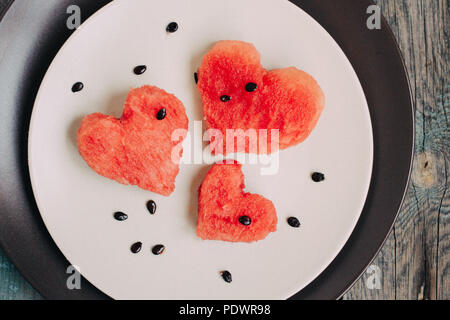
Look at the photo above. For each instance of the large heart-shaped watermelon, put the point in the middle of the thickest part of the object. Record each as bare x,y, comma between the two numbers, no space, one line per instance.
137,149
227,213
238,93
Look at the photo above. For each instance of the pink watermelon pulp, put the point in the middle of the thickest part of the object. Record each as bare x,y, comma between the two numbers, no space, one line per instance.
222,203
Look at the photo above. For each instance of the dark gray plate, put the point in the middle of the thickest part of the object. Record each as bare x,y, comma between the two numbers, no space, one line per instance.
31,33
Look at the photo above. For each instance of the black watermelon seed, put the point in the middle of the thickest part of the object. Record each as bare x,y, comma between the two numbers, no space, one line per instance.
140,69
77,87
120,216
318,177
225,98
158,249
226,275
136,247
161,114
196,77
293,222
151,206
245,220
251,86
172,27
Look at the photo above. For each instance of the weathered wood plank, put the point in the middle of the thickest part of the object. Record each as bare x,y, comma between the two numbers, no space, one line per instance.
384,264
421,259
12,285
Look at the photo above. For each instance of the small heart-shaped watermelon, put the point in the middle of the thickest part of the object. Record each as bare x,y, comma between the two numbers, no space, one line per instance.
238,93
137,148
227,213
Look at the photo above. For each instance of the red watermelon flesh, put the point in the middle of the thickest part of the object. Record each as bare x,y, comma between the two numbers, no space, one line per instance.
137,148
222,201
288,100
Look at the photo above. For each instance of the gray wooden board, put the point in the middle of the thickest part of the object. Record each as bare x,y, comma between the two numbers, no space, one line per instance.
414,263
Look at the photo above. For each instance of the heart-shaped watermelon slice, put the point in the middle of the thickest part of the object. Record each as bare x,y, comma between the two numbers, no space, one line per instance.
239,94
138,148
227,213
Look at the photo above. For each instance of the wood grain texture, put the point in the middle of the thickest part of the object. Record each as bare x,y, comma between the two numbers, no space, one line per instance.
414,262
12,285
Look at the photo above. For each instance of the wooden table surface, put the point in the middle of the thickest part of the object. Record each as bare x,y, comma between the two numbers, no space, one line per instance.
414,262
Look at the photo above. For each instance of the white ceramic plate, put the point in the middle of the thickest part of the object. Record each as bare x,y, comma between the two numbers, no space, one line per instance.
77,204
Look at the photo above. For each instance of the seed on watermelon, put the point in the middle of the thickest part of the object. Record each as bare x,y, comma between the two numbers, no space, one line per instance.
251,86
140,69
226,276
136,247
120,216
77,87
151,206
293,222
245,220
318,177
158,249
161,114
225,98
196,77
172,27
